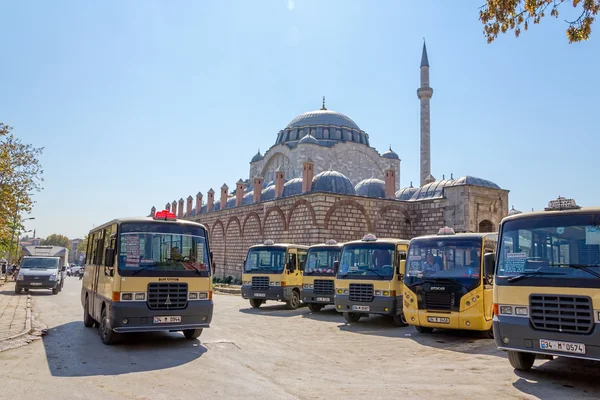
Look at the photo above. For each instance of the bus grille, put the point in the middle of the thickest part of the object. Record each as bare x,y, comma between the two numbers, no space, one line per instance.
361,292
438,300
167,296
569,314
260,283
324,286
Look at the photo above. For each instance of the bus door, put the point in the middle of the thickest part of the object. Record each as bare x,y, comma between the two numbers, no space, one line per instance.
489,246
292,259
401,252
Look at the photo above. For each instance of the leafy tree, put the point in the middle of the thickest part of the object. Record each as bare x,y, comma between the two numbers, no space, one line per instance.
498,16
20,174
57,240
82,246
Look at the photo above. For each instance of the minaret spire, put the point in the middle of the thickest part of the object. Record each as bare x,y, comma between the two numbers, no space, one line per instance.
424,94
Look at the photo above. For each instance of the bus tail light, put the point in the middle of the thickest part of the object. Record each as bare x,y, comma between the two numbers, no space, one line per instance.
116,296
210,294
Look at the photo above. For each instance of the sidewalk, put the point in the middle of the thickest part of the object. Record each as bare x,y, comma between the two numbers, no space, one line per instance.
15,312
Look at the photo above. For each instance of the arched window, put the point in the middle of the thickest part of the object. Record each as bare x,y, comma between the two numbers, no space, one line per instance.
486,226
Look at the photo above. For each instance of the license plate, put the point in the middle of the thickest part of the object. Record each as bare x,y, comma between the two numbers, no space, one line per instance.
360,308
166,320
260,294
438,320
36,283
323,299
566,347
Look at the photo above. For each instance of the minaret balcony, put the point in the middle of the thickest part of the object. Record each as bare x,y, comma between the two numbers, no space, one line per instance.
424,92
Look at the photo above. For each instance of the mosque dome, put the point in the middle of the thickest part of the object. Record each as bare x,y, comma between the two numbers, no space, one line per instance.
292,187
406,193
370,188
268,193
257,157
391,154
513,211
322,117
332,181
308,139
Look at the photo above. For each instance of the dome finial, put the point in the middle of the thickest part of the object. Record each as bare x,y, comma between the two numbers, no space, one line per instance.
323,107
411,184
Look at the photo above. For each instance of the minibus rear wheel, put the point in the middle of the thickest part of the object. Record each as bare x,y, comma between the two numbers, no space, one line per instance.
352,316
315,307
521,361
192,333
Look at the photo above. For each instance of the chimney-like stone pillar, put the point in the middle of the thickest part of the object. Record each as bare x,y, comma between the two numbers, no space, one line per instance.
279,181
211,200
174,207
307,176
153,211
390,183
168,207
257,189
198,203
224,190
239,192
188,209
180,208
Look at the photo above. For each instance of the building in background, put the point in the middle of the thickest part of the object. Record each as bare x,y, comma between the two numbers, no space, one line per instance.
75,256
321,180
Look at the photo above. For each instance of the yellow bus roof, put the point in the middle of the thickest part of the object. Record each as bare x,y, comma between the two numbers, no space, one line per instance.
537,214
148,219
380,240
462,235
286,245
325,245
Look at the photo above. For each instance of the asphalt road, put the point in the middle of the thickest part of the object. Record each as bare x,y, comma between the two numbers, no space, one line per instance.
272,353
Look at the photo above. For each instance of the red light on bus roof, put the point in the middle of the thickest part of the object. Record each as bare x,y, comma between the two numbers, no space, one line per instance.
166,215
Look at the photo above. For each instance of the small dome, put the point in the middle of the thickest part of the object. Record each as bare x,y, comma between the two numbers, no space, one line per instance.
471,180
216,206
308,139
391,154
267,184
513,211
248,198
193,212
292,187
230,202
370,188
257,157
433,190
268,193
332,181
406,193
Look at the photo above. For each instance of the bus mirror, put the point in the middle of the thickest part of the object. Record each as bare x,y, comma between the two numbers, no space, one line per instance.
336,266
401,268
489,261
109,256
402,255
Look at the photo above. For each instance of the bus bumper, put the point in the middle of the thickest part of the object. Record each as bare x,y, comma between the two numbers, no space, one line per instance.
381,305
516,334
470,319
308,296
280,293
135,316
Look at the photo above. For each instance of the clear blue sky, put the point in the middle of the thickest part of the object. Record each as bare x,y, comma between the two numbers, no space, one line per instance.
138,103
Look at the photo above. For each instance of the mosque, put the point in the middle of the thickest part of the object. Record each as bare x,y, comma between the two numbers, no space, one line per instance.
322,180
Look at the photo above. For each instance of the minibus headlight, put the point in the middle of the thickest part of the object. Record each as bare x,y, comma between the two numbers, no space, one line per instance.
202,296
193,296
506,310
308,286
140,296
126,296
521,311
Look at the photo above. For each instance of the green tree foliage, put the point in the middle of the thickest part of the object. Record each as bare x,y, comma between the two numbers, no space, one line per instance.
499,16
57,240
20,175
82,246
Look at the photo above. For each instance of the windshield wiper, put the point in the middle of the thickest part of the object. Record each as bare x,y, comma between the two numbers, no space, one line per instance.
377,273
140,269
532,273
582,267
447,279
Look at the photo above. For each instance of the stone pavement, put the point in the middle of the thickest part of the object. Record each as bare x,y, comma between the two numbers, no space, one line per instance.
15,312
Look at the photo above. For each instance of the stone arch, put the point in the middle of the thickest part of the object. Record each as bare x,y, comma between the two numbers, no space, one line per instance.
234,252
277,160
486,226
393,221
255,215
343,203
252,232
217,243
274,224
347,220
302,223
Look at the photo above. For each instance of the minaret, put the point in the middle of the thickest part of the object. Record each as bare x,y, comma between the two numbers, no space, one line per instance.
424,93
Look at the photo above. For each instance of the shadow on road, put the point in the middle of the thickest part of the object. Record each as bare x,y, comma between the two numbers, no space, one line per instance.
73,350
567,377
274,309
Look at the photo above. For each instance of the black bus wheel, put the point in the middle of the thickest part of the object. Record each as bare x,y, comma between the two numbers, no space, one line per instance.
294,301
521,361
315,307
424,329
192,333
352,316
255,303
400,320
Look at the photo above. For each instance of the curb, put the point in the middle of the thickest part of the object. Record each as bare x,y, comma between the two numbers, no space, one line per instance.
28,328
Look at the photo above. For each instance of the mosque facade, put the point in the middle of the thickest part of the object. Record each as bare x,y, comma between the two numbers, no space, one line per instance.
322,180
